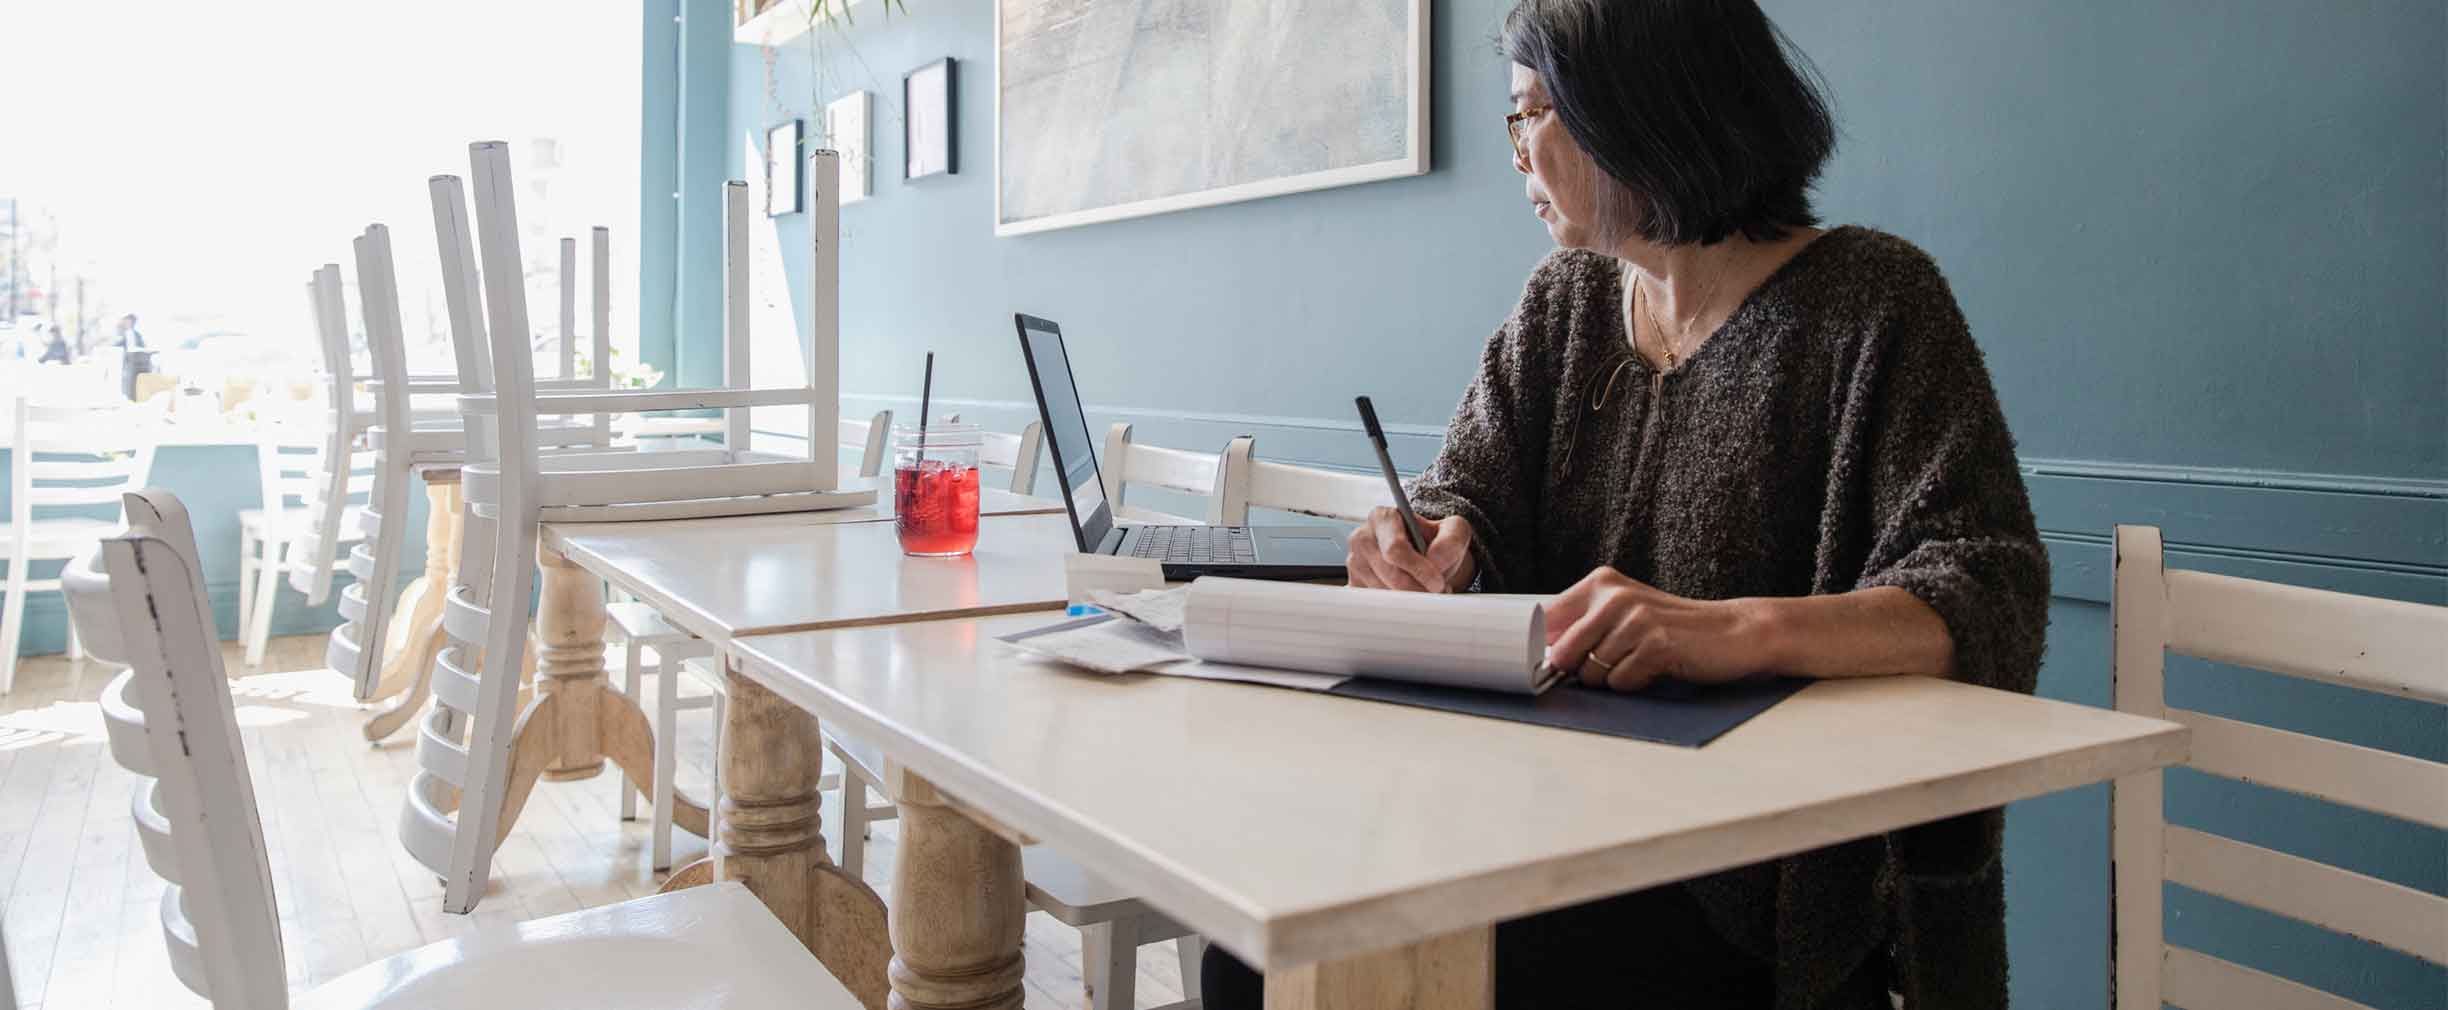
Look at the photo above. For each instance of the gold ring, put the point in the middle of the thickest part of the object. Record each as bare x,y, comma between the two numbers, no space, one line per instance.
1603,665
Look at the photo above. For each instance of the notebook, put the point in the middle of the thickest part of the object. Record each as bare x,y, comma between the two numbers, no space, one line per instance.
1470,654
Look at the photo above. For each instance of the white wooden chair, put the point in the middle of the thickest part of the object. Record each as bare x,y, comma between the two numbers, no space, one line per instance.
2383,646
1309,491
289,532
1017,452
636,626
407,445
202,832
64,463
466,741
1220,478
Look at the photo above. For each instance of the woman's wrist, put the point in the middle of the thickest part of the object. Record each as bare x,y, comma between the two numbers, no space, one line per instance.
1768,622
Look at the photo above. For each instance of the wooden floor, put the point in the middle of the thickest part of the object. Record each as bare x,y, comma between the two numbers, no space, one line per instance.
81,905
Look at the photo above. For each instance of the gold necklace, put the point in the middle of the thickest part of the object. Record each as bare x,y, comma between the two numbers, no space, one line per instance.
1666,342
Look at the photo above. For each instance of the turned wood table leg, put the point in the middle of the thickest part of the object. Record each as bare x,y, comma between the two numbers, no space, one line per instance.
771,838
958,906
409,676
1451,972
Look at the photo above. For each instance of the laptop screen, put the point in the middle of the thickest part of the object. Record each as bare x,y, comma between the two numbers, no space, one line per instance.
1066,427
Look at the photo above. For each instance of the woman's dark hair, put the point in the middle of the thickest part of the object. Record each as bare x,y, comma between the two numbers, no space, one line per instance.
1697,106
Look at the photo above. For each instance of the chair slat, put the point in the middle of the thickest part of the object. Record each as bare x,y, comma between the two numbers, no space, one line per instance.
2376,780
2197,981
645,402
1310,491
46,497
2389,914
2389,646
1187,472
63,469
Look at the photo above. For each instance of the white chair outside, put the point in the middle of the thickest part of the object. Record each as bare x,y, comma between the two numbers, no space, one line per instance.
472,742
2388,647
202,833
65,463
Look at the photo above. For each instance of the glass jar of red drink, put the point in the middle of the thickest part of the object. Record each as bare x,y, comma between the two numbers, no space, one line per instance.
935,489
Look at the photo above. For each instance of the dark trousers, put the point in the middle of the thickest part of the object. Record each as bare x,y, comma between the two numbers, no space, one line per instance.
1648,949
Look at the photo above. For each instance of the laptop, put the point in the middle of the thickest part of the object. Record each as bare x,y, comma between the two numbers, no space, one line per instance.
1187,552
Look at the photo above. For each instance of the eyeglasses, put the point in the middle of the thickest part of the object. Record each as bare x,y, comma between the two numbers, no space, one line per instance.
1518,124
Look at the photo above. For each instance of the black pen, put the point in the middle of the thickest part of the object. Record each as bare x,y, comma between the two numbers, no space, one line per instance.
1385,461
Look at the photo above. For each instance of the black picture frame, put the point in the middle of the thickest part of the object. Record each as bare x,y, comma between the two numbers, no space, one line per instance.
927,153
783,171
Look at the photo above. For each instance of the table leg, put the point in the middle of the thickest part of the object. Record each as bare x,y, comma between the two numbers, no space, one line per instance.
1451,972
574,722
958,906
409,675
772,839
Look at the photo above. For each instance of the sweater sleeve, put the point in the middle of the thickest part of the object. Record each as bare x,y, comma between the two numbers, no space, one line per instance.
1952,523
1485,472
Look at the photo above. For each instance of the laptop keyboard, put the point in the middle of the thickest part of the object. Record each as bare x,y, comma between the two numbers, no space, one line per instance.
1205,545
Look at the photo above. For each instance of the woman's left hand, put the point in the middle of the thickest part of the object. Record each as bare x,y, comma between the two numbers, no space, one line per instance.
1622,634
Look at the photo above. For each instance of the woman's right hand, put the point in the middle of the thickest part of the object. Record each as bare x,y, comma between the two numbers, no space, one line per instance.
1381,556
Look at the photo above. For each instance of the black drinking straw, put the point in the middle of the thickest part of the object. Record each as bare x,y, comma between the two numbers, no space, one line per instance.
926,396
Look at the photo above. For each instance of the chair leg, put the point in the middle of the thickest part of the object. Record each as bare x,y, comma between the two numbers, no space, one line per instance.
1109,963
629,687
722,710
667,726
854,824
258,626
1191,950
12,622
246,578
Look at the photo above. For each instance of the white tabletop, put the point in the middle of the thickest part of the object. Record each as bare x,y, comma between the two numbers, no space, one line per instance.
1295,828
721,578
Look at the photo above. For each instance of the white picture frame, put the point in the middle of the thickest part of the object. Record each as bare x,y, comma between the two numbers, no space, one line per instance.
782,175
849,131
1413,161
930,124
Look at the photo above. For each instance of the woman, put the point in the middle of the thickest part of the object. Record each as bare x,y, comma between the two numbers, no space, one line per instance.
1733,443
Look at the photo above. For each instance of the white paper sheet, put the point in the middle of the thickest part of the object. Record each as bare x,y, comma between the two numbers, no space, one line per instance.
1457,640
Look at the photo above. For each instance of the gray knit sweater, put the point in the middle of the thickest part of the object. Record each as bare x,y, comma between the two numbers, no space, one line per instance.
1839,432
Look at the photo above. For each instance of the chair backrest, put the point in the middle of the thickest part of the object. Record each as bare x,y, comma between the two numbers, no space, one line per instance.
1220,478
340,459
2384,646
1309,491
198,821
71,459
871,437
1017,452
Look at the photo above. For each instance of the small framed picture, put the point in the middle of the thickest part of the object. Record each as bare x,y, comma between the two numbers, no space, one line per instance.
782,159
929,140
846,131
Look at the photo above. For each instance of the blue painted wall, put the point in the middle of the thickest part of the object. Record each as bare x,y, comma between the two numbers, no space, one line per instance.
2204,245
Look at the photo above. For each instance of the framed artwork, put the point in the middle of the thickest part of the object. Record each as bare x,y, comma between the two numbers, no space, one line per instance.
782,161
1102,115
929,142
846,132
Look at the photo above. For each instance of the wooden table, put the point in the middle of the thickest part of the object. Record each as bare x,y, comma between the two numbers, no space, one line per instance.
723,578
1358,852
